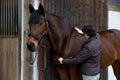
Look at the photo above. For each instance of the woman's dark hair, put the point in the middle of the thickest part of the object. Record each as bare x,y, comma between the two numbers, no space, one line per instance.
89,30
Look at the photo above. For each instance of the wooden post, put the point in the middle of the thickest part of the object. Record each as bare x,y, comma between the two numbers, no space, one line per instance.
42,2
25,63
41,56
27,71
41,61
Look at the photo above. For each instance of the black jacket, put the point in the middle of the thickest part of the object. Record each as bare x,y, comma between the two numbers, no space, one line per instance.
88,56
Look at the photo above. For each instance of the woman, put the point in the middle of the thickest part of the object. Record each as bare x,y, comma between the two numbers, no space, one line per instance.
88,56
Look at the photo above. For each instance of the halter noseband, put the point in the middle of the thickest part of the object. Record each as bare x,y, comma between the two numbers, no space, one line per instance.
43,34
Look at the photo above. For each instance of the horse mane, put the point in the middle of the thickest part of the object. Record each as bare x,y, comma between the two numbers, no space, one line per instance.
61,18
64,24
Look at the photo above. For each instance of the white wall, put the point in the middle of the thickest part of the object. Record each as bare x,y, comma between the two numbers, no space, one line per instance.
35,67
114,20
113,23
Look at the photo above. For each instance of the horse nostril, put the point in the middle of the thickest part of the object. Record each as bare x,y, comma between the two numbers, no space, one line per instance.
32,45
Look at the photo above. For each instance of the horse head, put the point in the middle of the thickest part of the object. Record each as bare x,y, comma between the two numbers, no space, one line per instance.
59,34
38,27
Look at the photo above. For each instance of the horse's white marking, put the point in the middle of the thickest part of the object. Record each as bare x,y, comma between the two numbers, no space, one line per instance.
78,30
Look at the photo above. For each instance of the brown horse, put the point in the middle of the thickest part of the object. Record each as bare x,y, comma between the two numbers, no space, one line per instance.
65,41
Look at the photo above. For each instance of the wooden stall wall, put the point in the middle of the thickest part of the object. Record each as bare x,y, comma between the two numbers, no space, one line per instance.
10,40
77,13
80,12
9,59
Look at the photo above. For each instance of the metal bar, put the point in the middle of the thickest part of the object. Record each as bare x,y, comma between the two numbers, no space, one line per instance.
12,17
11,10
0,17
16,24
9,19
4,18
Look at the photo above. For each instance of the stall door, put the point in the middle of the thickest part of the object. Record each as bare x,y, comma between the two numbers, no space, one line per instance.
9,40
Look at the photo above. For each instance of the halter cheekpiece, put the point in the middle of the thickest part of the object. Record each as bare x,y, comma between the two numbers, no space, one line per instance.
43,34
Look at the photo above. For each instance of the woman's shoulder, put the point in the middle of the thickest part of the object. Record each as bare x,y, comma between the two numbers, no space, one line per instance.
94,42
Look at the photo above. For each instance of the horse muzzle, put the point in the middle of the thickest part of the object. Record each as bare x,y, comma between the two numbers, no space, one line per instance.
31,47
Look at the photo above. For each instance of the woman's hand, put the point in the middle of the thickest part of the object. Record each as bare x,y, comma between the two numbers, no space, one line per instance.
60,59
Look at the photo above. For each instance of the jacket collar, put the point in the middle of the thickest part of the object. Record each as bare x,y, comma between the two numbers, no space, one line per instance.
91,38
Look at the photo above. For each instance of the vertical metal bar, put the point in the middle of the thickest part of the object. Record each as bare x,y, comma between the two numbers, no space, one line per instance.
15,20
0,16
4,18
4,15
16,25
11,17
15,17
12,3
8,18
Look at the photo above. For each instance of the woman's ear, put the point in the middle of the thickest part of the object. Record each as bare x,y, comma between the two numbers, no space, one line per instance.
31,9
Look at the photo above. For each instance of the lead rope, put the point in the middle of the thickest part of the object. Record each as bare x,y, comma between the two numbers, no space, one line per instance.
34,58
33,61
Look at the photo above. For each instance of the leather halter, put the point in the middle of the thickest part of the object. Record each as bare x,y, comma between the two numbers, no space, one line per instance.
39,38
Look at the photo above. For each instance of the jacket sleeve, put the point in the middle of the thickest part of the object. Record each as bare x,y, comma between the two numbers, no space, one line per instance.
82,55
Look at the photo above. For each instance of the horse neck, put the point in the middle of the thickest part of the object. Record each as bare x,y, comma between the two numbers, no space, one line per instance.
58,32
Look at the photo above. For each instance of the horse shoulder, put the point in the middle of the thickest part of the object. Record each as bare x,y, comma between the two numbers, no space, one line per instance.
73,44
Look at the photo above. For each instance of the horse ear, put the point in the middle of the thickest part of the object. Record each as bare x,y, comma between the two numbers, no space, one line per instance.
31,9
41,9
